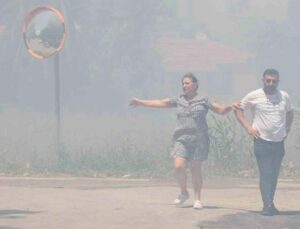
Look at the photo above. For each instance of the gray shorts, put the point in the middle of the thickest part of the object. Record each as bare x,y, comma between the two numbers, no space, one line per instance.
190,147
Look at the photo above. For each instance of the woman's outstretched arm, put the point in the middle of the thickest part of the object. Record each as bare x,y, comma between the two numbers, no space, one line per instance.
220,109
156,103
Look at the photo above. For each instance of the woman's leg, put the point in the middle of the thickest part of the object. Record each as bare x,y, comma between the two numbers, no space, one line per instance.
180,167
197,178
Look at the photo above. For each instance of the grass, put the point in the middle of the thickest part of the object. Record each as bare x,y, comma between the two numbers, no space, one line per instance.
134,145
230,149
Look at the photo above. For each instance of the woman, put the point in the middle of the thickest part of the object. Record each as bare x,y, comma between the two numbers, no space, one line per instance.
190,138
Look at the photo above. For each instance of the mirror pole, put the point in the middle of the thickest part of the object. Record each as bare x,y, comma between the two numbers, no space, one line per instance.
57,102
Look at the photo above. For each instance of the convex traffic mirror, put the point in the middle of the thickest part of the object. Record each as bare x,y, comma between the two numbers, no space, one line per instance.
44,32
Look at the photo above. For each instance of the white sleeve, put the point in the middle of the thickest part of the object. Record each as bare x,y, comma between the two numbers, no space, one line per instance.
247,102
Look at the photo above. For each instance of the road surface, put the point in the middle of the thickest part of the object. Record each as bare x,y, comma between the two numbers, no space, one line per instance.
83,203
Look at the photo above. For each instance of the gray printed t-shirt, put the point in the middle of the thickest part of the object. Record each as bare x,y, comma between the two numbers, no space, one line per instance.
190,138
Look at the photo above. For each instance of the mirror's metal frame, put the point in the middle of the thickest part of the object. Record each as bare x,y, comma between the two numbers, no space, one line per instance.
27,20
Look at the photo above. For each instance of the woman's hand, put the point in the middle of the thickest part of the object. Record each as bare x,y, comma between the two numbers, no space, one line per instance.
236,106
134,102
156,103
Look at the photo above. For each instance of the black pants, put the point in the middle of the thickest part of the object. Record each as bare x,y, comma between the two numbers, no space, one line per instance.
269,157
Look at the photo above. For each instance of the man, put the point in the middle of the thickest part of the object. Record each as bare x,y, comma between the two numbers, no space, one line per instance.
272,120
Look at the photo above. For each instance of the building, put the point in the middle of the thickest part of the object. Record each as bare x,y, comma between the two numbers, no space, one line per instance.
222,70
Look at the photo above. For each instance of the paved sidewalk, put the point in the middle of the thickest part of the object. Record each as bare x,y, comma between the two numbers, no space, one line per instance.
82,203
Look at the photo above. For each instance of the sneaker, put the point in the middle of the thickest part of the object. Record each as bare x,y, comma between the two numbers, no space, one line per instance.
181,199
197,205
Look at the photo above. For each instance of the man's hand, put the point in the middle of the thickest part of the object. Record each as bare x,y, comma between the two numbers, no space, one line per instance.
253,132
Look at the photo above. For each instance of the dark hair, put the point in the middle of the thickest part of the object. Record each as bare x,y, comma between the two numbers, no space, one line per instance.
191,77
272,72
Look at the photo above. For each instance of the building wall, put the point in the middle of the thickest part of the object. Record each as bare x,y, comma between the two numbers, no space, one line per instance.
227,84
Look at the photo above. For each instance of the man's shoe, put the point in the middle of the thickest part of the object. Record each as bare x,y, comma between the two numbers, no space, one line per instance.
267,211
275,210
181,199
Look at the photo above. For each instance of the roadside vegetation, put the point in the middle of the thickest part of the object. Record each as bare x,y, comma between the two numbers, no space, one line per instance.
131,145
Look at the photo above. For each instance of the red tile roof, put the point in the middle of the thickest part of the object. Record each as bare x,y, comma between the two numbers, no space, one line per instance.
181,55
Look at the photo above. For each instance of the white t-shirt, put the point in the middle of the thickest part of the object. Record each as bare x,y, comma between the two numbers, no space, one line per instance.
269,113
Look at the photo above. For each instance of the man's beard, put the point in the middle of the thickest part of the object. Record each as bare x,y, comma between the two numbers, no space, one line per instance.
270,89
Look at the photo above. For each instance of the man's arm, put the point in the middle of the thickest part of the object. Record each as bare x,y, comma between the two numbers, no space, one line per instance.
156,103
289,120
239,114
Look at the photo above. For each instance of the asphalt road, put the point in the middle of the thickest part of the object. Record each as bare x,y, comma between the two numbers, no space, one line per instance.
71,203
